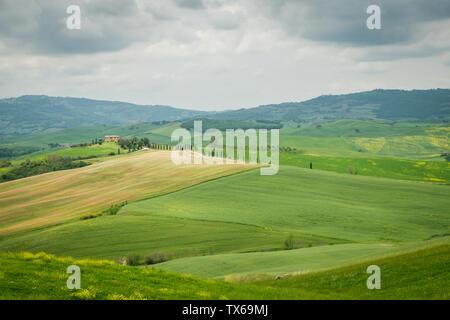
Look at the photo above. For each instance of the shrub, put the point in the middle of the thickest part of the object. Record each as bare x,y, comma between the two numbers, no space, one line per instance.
133,259
114,209
29,168
289,242
90,216
5,163
157,257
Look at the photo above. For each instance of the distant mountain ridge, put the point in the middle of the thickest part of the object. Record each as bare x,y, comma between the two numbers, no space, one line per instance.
414,105
32,114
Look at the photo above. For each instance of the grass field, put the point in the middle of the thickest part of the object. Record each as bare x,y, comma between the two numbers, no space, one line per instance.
94,151
432,171
322,203
299,260
232,223
368,138
365,128
114,237
155,132
420,274
235,215
88,151
41,276
58,196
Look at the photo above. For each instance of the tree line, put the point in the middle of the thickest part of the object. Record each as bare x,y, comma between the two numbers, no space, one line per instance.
31,168
134,144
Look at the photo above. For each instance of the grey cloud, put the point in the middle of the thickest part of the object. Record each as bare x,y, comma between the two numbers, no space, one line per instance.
40,26
113,7
112,25
226,20
344,21
192,4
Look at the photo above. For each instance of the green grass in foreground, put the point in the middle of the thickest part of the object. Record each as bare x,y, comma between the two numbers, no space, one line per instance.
42,276
421,274
433,171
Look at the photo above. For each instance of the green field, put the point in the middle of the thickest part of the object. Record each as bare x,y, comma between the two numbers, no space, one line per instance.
364,128
420,274
114,237
155,132
354,208
367,138
299,260
323,211
41,276
59,196
378,194
84,152
432,171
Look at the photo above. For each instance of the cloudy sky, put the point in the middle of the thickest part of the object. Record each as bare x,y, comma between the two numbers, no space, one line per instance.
221,54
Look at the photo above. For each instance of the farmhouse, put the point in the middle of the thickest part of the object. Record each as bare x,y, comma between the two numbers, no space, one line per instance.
112,138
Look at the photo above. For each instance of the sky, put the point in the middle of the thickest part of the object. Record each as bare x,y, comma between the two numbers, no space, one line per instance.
221,54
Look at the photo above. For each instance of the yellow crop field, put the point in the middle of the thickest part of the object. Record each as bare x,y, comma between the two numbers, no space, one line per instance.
59,196
372,145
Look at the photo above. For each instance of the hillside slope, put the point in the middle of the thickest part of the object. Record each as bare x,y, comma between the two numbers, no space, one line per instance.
420,274
43,276
57,196
33,114
381,104
417,274
350,207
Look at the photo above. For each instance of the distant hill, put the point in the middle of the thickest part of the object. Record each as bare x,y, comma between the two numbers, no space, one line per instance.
415,105
33,114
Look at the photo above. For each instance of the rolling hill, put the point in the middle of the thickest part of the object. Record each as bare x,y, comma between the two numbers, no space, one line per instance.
33,114
418,274
415,105
354,208
240,223
62,195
